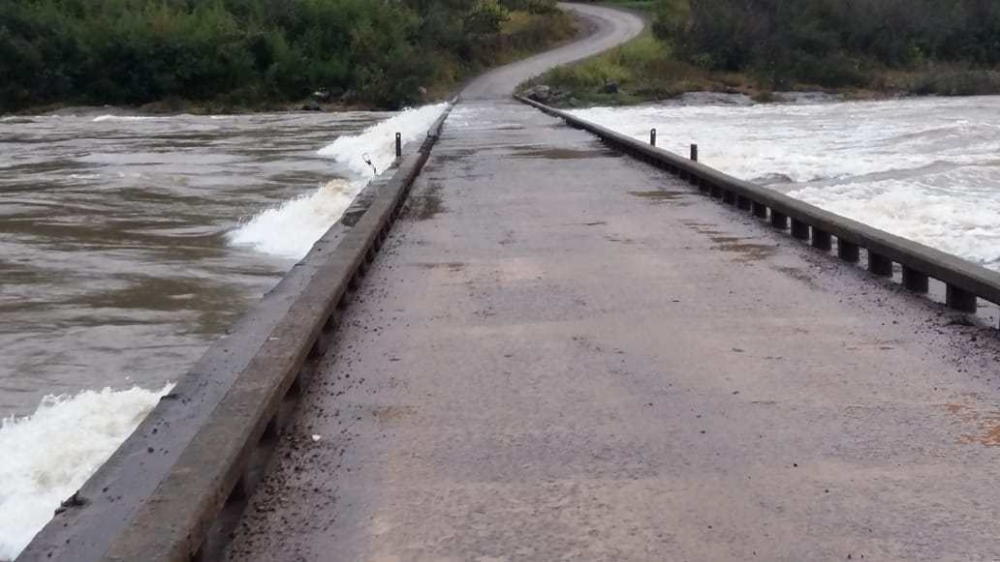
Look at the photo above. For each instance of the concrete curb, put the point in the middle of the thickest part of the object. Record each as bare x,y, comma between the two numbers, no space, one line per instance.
964,281
175,489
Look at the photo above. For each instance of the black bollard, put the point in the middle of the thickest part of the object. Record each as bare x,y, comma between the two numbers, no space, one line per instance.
694,152
399,145
652,137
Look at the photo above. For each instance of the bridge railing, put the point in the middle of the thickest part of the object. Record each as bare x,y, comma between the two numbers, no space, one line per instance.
175,489
964,281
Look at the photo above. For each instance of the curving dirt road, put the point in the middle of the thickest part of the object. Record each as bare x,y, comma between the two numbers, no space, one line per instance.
609,28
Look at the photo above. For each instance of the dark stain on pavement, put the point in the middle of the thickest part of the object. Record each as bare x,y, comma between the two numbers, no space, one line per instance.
658,195
426,205
610,238
746,252
798,274
702,228
550,153
453,155
451,266
987,426
392,413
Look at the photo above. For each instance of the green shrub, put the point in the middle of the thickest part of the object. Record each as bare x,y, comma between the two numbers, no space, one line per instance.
252,51
828,42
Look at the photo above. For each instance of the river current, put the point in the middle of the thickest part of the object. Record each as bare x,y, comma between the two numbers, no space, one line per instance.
926,169
127,245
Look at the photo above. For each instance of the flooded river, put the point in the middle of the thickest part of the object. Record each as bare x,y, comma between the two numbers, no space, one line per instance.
925,169
127,245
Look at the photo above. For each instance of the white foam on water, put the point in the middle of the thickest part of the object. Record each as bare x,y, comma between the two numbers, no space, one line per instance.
48,455
103,118
926,169
290,229
963,226
379,140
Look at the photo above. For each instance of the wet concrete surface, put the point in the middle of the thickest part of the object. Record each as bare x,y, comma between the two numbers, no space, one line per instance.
549,361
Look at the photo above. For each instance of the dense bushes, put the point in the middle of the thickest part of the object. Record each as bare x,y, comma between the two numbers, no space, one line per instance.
830,43
246,51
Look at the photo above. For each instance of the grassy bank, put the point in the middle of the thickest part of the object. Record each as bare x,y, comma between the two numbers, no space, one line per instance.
232,55
688,51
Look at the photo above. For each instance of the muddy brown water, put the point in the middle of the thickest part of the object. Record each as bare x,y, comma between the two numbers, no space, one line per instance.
114,265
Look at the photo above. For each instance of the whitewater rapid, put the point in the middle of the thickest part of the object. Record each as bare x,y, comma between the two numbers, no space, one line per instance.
925,169
48,455
290,229
183,172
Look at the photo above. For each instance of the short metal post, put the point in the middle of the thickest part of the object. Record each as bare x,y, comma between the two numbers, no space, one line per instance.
960,300
399,145
759,210
879,265
652,137
822,240
915,280
694,152
779,220
800,230
847,251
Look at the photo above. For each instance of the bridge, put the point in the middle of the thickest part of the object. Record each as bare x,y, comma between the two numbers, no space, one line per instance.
538,339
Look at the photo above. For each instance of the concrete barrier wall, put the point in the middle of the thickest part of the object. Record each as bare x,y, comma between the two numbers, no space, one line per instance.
175,489
964,281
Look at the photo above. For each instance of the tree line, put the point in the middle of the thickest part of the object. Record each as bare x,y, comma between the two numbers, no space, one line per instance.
831,43
133,52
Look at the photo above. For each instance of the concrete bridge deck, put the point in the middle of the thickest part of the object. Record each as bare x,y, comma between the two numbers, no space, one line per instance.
566,354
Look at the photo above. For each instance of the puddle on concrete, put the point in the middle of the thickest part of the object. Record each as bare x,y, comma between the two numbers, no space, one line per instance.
426,205
550,153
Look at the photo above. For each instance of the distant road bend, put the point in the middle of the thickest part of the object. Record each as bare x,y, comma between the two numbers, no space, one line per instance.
565,353
608,28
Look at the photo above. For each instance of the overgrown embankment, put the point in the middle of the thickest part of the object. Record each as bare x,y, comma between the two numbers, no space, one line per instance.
258,54
865,48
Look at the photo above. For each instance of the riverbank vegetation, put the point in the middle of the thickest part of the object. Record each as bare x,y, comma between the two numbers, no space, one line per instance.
862,48
236,54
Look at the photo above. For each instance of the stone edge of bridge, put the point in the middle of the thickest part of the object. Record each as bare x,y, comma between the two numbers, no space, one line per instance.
964,282
176,488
